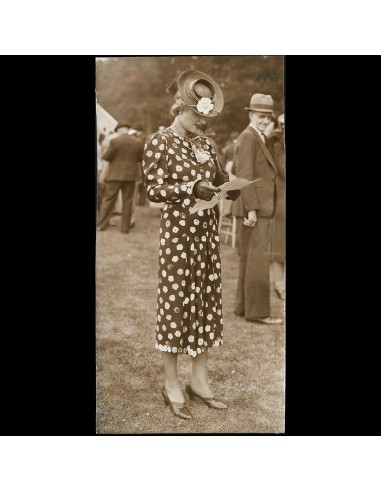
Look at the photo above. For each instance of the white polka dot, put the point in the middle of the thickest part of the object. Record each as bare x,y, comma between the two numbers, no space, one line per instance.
177,333
186,201
154,141
168,251
160,171
163,193
190,338
166,235
171,151
174,175
170,336
149,153
161,147
172,297
179,246
170,278
183,255
165,288
175,286
175,229
173,325
210,317
167,305
175,259
180,271
176,213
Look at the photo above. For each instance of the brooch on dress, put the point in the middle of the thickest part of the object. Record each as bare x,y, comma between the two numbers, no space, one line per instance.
198,147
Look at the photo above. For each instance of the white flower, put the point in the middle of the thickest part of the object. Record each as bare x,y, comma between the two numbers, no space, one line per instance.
204,105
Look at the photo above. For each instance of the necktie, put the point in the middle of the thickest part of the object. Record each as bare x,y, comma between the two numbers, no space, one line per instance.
263,138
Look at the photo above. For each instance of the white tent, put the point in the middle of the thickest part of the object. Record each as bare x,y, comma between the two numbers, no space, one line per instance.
105,122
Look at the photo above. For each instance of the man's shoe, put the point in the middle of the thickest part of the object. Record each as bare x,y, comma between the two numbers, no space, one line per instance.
266,321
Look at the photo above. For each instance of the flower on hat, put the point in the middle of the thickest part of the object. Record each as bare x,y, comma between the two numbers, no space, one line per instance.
204,105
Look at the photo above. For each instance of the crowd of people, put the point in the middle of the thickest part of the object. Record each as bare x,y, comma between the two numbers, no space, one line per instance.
182,164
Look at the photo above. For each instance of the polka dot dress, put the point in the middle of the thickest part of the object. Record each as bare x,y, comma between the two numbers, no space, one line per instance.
189,308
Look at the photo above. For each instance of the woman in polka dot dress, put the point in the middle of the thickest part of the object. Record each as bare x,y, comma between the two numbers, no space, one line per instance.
180,165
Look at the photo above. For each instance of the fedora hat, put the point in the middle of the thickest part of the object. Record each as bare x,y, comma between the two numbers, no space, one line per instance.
200,92
261,102
122,123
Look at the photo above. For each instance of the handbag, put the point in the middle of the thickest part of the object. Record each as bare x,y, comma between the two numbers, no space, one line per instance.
221,176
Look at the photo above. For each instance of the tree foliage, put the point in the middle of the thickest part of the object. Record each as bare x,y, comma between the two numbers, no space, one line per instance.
133,88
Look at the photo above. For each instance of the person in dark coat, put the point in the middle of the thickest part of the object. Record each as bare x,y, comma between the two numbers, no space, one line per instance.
125,152
278,225
254,210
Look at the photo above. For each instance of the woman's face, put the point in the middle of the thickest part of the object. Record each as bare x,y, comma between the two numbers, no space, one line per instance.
192,122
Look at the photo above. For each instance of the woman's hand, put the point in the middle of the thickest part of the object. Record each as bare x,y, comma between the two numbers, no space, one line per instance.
204,190
233,195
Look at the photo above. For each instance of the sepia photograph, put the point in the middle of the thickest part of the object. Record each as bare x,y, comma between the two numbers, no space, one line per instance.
190,245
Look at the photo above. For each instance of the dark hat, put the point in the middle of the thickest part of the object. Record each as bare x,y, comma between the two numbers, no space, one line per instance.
261,102
122,123
200,92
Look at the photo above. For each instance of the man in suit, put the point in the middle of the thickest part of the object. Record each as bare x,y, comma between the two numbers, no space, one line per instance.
124,154
254,211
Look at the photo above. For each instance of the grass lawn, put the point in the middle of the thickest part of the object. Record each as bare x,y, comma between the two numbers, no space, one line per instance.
247,371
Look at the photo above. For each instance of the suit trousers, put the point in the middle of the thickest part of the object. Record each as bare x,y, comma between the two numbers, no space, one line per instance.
253,291
109,198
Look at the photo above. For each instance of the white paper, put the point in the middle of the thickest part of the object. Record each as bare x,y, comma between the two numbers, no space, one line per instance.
234,184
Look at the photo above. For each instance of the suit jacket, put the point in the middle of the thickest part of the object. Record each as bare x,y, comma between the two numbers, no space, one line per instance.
124,153
253,160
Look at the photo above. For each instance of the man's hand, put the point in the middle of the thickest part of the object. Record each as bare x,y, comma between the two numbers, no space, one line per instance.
204,190
251,219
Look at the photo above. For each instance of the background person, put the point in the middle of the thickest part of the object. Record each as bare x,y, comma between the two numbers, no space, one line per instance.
254,210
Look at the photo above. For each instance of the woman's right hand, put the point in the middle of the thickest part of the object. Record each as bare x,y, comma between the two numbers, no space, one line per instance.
204,190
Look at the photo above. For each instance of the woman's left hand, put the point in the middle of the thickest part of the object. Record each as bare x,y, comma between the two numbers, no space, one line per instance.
233,195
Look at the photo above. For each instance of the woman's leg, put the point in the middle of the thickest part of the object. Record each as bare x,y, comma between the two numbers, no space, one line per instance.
171,381
199,369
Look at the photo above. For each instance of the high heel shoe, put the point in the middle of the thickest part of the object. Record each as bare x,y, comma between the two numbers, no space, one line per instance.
210,402
178,409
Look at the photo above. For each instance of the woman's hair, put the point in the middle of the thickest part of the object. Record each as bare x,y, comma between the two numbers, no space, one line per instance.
178,105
